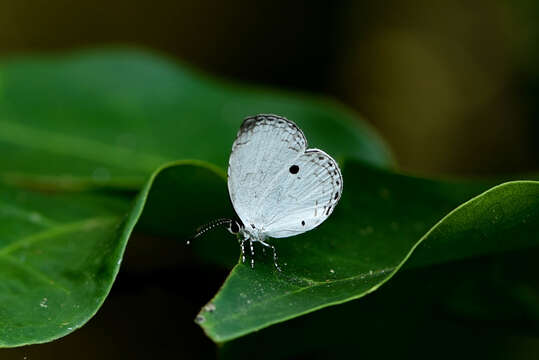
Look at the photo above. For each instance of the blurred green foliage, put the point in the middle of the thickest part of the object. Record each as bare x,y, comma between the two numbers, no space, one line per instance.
97,119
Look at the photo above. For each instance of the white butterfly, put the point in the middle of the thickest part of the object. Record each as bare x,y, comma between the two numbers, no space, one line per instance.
277,186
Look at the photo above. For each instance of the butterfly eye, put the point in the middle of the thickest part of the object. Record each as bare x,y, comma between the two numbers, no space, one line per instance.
234,227
294,169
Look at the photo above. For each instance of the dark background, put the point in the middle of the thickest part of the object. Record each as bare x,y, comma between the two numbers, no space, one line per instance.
453,86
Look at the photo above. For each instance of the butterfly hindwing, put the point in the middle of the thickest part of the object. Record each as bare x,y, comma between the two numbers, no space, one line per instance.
303,197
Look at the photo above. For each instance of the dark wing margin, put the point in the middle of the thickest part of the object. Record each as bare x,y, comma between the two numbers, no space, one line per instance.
250,123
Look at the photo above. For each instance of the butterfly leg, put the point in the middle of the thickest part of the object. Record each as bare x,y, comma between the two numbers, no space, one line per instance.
274,254
252,254
242,245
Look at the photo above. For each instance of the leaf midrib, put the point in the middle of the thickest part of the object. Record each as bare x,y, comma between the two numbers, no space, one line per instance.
39,275
26,215
49,233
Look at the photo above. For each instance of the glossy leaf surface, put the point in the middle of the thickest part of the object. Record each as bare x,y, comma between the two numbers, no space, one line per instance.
111,118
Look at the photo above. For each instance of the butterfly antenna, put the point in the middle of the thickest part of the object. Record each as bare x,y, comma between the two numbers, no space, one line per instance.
209,226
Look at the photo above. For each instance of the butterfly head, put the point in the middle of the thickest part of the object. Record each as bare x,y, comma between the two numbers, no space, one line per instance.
234,227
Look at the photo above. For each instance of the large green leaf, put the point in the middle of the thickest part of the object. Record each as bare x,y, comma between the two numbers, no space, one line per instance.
368,238
60,253
111,118
59,256
381,219
485,307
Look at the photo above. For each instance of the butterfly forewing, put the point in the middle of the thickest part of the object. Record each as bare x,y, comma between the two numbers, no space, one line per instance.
265,145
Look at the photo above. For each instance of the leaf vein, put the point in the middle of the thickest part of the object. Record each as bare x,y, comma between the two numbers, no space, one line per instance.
35,273
85,225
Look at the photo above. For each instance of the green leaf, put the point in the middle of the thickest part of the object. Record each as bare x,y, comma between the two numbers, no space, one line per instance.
487,307
59,255
111,118
381,219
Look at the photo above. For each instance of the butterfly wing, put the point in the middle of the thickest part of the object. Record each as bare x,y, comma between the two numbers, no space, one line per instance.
263,148
275,184
303,197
